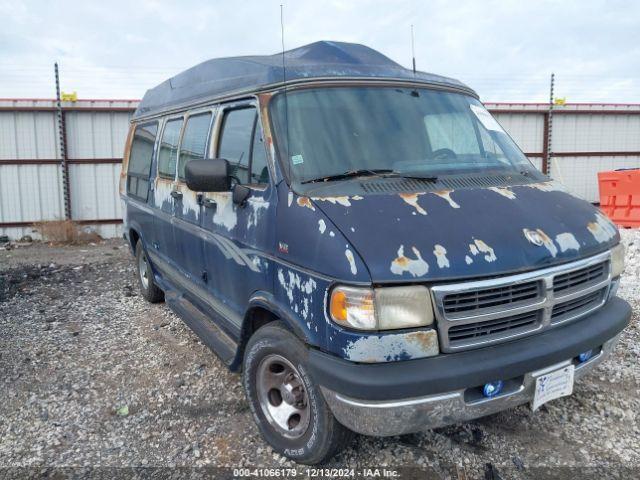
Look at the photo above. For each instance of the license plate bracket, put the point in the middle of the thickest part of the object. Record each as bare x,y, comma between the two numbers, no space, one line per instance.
553,384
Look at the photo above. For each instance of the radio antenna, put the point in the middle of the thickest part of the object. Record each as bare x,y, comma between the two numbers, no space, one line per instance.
413,52
284,83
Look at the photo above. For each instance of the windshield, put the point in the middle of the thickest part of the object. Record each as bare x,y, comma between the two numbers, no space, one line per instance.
336,130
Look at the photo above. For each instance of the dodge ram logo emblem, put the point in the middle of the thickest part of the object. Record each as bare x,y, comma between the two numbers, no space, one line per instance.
534,237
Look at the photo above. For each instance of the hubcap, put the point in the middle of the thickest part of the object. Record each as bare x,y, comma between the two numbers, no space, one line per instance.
143,271
282,396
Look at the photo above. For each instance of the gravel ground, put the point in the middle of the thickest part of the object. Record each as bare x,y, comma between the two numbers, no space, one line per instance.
92,375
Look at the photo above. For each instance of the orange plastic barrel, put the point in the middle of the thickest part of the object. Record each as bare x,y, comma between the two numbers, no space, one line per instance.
620,196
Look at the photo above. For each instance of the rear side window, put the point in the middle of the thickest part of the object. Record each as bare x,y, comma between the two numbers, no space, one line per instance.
242,145
140,158
194,140
168,155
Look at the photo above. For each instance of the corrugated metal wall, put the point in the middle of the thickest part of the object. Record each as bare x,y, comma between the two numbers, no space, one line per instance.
30,164
586,138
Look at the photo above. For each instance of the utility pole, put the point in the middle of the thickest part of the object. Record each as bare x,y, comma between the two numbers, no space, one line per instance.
549,131
62,145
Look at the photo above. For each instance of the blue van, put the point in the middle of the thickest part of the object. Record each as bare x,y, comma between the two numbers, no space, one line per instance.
365,244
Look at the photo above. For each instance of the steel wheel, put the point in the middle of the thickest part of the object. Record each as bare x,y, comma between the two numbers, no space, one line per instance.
143,271
282,396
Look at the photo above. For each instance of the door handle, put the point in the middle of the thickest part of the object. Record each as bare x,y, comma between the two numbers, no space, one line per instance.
209,203
177,195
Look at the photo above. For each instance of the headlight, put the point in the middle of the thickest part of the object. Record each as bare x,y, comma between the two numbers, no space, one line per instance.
385,308
617,260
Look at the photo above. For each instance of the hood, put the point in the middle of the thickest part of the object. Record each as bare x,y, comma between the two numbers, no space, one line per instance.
454,234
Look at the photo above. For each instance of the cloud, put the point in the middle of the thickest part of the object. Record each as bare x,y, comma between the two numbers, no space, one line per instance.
506,50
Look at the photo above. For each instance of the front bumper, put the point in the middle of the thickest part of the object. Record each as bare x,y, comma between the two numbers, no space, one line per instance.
407,396
397,417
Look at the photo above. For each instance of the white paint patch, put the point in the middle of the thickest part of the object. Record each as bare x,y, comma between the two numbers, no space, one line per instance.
441,256
292,283
257,205
161,192
478,246
412,199
322,226
353,229
505,192
602,229
289,199
417,267
566,241
374,348
446,194
468,259
225,214
190,203
352,261
345,201
332,234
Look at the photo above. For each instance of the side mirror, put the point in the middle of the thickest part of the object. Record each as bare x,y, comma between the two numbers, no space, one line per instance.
210,175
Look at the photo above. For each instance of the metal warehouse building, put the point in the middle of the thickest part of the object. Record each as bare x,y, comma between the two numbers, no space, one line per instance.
55,162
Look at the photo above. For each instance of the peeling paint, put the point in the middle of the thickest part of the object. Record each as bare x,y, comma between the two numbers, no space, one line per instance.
566,241
412,199
352,261
602,229
505,192
441,256
468,259
392,347
257,205
546,240
225,213
446,195
292,283
305,202
478,246
289,199
322,226
332,233
552,186
416,267
189,203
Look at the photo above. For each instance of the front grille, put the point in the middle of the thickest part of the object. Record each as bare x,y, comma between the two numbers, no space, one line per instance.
500,326
465,302
581,304
580,278
474,314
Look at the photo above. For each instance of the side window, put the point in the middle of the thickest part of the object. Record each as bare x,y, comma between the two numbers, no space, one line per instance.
194,140
259,170
140,158
235,144
169,149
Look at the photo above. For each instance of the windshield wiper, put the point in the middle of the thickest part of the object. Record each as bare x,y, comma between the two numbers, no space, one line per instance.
360,172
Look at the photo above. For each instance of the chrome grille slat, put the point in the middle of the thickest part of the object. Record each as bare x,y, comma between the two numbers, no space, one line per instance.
478,313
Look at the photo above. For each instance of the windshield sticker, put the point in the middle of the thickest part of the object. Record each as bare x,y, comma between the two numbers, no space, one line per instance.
297,159
486,119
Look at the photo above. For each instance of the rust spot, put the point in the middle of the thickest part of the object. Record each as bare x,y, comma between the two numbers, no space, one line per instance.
416,267
446,195
426,340
305,202
412,199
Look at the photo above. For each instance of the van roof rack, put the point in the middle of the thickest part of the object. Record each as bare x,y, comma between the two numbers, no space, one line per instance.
226,77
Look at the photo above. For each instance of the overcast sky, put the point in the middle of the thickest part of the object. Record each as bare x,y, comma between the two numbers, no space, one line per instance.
506,50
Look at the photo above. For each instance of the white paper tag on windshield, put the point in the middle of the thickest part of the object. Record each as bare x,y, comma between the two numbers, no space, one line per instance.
486,119
297,159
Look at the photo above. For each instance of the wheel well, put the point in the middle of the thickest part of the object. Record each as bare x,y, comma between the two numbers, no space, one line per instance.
133,238
254,319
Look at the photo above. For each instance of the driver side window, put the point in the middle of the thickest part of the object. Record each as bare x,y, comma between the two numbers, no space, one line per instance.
242,145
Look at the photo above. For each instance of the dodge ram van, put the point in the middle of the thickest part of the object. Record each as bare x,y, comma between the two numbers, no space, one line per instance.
365,244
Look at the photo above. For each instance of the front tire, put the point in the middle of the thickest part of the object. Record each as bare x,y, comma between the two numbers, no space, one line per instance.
149,289
287,405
